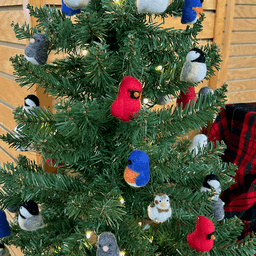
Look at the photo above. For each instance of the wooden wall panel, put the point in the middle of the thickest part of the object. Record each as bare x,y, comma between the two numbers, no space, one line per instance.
243,73
243,37
242,62
6,116
244,25
6,53
6,31
242,11
243,50
12,93
242,85
10,2
244,2
244,96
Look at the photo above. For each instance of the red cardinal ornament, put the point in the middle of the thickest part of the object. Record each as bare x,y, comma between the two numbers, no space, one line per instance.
128,100
202,238
190,96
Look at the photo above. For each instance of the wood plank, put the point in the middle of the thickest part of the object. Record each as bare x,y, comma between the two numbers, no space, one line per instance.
5,157
229,15
6,53
6,117
243,50
243,73
236,97
218,37
175,22
12,93
242,62
245,1
244,24
6,32
243,37
248,11
242,85
10,2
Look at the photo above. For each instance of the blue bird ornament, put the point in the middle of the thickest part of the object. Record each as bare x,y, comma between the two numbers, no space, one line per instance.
137,172
4,225
191,11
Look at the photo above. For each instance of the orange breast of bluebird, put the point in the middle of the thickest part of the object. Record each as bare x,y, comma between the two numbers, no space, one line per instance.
130,175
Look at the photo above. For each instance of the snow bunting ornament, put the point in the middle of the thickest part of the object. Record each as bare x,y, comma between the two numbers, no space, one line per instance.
36,50
107,245
152,6
76,4
29,218
199,141
4,251
160,210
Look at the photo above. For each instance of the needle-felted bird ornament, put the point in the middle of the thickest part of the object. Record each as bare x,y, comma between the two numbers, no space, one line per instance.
69,11
36,50
76,4
128,101
212,183
31,102
204,91
4,251
186,98
162,100
202,238
137,172
4,225
199,141
29,218
191,11
107,245
152,6
160,210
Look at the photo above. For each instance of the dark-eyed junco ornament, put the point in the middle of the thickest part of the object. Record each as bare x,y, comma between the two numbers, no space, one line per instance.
36,50
137,172
202,239
4,251
29,218
128,101
204,91
199,141
194,69
152,6
107,245
4,225
191,11
160,210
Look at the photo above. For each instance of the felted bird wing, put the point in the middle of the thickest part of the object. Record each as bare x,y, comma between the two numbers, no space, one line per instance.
185,71
34,223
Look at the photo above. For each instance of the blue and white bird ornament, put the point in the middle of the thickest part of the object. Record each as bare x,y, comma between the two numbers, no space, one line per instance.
191,11
137,172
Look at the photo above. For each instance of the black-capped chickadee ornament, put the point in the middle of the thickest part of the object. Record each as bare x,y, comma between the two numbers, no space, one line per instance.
199,141
212,183
4,251
194,69
36,50
160,210
29,218
107,245
152,6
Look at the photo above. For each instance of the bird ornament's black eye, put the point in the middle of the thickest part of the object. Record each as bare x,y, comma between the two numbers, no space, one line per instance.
202,1
129,162
134,94
160,201
38,40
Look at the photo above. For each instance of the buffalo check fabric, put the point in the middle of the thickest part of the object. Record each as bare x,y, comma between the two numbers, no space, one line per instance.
236,126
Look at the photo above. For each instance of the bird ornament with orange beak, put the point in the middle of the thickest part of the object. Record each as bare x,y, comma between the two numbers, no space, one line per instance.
202,238
191,11
137,172
128,101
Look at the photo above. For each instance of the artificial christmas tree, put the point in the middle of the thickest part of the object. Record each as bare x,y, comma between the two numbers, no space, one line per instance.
89,192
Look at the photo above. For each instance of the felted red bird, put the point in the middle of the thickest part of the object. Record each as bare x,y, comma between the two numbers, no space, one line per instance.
128,100
185,98
202,238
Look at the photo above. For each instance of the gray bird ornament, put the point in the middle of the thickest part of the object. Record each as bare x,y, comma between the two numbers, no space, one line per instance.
204,91
194,69
160,210
4,251
36,50
107,245
29,218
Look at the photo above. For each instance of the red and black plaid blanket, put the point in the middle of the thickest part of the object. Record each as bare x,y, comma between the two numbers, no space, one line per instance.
236,126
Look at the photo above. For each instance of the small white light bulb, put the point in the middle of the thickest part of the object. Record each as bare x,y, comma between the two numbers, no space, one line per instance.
122,253
88,234
140,224
121,200
84,52
145,101
159,67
